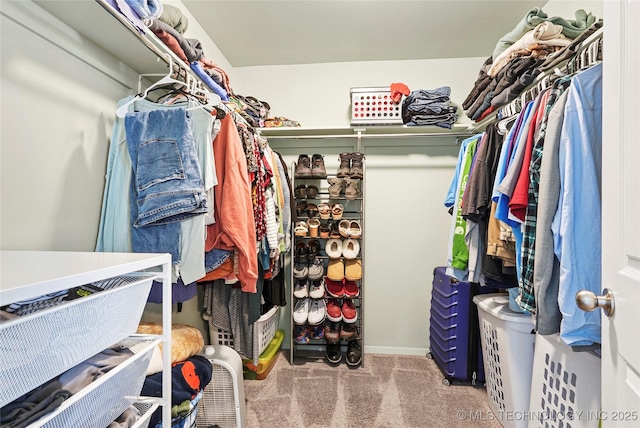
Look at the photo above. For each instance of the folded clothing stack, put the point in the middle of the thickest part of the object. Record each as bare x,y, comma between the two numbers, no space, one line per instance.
429,107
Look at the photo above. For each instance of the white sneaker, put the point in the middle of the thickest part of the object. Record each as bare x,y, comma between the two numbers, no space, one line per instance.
317,311
301,311
301,289
316,269
316,289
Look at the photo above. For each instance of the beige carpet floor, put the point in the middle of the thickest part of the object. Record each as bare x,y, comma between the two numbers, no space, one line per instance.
389,391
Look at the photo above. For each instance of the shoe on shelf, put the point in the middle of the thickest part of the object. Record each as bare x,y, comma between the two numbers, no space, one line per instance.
301,209
334,288
332,331
325,230
351,188
317,167
335,187
348,331
336,211
349,311
300,271
315,271
301,289
301,334
301,191
301,311
353,270
314,225
333,248
303,167
334,233
317,311
351,289
345,165
301,229
324,210
335,269
355,229
302,253
311,210
356,170
316,289
334,310
333,353
350,249
343,228
313,249
354,352
316,331
312,191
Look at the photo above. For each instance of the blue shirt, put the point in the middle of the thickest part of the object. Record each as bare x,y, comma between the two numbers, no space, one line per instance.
576,225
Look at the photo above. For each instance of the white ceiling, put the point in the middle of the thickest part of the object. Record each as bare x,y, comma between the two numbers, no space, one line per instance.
251,33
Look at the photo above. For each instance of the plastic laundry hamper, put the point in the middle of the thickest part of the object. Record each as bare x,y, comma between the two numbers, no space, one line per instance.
507,351
222,402
565,390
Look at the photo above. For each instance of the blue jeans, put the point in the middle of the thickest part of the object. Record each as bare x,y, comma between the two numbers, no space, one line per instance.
167,186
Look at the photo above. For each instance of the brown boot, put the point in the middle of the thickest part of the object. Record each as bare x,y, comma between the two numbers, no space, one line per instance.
345,165
356,166
335,187
317,167
303,168
351,188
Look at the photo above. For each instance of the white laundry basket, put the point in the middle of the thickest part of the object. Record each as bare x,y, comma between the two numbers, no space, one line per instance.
222,402
565,388
507,351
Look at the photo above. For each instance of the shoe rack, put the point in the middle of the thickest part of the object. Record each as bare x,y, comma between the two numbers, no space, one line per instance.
327,260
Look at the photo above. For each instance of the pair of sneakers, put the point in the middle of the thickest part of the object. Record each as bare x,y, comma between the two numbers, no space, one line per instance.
309,288
305,333
309,311
345,311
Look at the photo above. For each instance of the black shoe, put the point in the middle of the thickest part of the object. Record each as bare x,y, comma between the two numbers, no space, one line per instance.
334,354
354,353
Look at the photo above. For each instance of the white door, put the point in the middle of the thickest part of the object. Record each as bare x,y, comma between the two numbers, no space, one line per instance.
621,213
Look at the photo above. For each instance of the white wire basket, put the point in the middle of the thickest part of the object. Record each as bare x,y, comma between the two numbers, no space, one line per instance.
39,346
108,396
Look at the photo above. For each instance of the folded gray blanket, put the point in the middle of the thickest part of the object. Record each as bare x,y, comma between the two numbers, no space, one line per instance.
174,17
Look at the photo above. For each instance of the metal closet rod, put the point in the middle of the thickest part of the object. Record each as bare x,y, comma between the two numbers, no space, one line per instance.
416,134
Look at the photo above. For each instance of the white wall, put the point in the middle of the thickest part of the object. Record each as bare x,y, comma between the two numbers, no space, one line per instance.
318,95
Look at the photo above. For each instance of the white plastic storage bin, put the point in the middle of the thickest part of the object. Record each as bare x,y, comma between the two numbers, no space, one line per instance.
507,351
68,333
565,390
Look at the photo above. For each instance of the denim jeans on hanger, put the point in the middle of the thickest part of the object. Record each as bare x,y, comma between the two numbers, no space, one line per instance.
167,186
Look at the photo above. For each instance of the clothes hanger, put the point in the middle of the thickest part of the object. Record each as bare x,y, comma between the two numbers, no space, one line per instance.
166,80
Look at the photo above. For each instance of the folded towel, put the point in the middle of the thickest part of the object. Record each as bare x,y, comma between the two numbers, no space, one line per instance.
146,9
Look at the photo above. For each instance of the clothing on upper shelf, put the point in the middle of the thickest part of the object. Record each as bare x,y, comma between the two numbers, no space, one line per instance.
552,149
429,107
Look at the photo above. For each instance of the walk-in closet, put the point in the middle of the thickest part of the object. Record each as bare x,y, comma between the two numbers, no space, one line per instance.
342,214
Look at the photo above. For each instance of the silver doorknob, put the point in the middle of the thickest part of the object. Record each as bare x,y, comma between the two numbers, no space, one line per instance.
588,301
